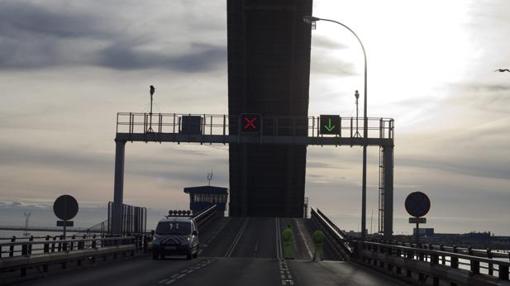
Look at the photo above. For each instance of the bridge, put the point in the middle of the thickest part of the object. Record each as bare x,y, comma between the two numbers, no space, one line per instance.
248,251
267,127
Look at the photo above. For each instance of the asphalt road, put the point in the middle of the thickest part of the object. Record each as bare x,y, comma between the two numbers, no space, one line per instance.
235,251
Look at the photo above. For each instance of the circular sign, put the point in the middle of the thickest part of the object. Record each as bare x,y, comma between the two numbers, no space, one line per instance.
417,204
65,207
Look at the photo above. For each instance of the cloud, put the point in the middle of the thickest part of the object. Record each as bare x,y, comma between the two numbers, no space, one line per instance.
468,166
482,96
323,42
24,205
33,36
202,58
148,166
28,19
325,64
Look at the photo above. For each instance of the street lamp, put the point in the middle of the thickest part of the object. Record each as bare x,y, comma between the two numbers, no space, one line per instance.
356,95
311,20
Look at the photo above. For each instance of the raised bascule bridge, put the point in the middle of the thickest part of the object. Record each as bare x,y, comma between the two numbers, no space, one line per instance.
267,129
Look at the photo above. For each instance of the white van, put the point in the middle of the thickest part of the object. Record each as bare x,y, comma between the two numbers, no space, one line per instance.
176,236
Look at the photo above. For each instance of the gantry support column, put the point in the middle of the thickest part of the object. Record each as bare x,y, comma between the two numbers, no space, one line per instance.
118,188
388,191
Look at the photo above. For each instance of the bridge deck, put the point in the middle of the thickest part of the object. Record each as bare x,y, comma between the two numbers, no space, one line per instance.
236,251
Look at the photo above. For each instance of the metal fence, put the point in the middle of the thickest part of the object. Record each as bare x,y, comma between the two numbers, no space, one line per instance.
48,244
435,266
214,124
134,219
423,264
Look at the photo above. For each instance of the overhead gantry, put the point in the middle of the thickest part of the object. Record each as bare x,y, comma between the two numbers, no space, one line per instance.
324,130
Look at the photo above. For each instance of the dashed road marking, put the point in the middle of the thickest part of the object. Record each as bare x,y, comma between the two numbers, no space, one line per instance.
285,275
186,271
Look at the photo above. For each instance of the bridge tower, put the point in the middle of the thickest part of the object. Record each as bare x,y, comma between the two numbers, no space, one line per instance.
268,74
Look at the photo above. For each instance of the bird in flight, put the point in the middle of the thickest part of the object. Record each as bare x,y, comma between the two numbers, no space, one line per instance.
503,70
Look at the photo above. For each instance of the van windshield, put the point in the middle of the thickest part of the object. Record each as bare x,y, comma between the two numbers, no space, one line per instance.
173,227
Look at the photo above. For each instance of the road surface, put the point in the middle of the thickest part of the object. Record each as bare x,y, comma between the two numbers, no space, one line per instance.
235,251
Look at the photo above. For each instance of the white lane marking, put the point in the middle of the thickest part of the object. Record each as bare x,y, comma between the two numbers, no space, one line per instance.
186,271
214,235
302,234
237,238
279,250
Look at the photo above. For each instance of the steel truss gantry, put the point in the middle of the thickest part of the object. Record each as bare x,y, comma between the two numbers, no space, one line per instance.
288,130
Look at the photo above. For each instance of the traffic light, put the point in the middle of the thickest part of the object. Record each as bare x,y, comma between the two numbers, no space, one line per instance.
250,123
330,124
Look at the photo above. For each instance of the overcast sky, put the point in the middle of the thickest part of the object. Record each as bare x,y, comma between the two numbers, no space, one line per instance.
67,67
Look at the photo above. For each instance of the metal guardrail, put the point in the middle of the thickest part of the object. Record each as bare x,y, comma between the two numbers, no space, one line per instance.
344,236
37,247
205,216
335,236
435,266
423,264
23,255
224,125
488,253
16,246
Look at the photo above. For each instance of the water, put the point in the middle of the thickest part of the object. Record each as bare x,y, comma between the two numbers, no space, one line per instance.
43,216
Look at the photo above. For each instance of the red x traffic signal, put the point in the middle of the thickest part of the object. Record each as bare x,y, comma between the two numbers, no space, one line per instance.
250,122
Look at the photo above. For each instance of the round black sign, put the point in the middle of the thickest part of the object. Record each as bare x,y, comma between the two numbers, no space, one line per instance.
65,207
417,204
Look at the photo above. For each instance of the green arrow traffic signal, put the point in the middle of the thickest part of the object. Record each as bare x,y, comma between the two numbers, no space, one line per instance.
330,126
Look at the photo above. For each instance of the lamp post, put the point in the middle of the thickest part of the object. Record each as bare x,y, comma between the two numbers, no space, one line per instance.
310,20
151,91
356,95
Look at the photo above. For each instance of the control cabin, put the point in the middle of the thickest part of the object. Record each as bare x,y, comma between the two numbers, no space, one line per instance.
203,197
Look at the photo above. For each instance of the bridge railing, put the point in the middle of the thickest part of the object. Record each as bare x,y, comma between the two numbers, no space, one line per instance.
47,245
488,253
434,266
33,254
205,216
334,235
224,125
